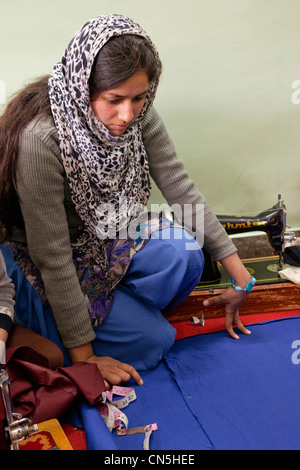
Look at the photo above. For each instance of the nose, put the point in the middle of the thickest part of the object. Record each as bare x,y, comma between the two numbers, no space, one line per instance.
126,113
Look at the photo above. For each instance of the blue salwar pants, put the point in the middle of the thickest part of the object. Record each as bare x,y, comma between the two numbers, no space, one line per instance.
135,331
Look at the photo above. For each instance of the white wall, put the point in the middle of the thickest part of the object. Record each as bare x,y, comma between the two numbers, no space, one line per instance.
226,93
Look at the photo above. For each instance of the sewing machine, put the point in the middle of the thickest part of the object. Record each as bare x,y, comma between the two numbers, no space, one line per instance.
14,428
18,433
271,221
271,293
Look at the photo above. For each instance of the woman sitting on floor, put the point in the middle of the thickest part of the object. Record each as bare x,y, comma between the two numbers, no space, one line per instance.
93,272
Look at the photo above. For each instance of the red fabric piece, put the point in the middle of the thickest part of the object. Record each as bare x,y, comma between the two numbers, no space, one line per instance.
76,436
42,393
186,328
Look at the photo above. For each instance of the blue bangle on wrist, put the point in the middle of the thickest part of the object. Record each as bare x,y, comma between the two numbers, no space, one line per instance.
247,288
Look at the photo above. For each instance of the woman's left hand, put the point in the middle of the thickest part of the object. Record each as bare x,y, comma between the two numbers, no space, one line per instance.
231,300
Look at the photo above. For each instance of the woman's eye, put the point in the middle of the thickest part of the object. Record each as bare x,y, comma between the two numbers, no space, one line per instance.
139,98
136,99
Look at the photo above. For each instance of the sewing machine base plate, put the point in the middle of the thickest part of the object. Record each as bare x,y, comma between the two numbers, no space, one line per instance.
50,436
271,293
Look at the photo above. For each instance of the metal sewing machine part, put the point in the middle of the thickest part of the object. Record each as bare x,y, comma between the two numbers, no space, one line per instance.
271,221
15,427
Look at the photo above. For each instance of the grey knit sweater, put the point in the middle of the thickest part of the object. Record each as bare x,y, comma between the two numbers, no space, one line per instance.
51,221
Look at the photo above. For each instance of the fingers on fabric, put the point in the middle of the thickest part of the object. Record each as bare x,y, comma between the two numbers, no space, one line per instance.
115,372
232,321
232,300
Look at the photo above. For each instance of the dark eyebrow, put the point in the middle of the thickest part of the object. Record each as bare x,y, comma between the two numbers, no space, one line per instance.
144,92
115,95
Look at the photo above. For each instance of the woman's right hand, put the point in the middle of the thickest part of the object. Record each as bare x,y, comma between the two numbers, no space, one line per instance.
113,372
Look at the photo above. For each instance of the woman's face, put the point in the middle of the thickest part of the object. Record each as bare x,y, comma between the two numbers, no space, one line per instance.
117,107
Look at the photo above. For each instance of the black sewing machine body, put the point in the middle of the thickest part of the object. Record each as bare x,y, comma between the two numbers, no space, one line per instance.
271,221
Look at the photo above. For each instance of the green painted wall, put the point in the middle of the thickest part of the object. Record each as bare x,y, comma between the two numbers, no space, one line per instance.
226,93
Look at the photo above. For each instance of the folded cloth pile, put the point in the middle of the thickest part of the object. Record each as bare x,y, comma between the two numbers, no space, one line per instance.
291,257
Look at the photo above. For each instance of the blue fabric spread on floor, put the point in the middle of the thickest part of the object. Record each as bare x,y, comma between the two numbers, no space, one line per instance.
213,392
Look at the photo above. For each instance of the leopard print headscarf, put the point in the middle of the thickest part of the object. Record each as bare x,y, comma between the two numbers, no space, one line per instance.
101,168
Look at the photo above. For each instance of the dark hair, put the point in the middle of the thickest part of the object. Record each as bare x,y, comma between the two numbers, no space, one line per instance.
30,102
119,59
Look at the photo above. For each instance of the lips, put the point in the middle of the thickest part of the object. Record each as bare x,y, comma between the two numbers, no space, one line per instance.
119,127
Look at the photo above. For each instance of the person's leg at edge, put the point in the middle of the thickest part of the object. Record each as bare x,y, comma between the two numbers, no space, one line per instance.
36,326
